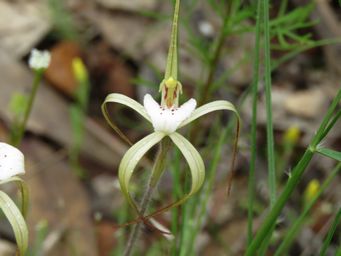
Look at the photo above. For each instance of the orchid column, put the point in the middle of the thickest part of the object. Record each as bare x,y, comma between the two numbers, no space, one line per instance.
166,118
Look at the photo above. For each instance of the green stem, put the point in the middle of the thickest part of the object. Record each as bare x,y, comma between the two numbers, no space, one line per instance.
338,252
293,181
268,105
158,168
269,124
290,235
278,206
330,233
177,192
252,181
18,135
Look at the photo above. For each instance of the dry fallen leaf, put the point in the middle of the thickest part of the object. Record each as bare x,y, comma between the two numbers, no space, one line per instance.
59,72
22,25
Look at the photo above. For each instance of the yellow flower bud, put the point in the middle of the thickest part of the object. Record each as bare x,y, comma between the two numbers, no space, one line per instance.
79,70
291,135
311,190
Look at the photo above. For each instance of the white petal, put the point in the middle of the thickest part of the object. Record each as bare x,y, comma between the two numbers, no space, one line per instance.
39,59
167,120
11,161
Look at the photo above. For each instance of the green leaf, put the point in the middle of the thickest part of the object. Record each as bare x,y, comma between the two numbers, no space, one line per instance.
16,220
329,153
210,107
124,100
130,160
24,193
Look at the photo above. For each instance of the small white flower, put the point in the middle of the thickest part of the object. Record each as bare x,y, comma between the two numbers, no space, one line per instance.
39,59
11,161
165,119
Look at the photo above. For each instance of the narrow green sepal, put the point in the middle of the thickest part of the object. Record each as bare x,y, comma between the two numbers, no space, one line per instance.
23,191
130,161
124,100
172,58
16,220
170,87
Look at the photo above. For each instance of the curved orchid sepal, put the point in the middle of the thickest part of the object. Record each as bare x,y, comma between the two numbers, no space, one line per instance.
127,167
124,100
210,107
195,162
23,190
16,220
131,159
214,106
136,152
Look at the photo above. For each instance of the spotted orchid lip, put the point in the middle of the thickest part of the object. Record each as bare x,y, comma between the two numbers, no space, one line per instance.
165,119
11,161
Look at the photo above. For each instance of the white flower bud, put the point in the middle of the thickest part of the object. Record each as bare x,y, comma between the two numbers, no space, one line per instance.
39,59
11,161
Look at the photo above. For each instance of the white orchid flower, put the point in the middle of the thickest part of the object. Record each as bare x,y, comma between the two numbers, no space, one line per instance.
39,60
166,118
11,161
11,165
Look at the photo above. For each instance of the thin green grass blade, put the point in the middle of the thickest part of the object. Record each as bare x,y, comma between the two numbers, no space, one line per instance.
293,180
331,233
295,227
332,123
268,105
329,153
255,81
16,220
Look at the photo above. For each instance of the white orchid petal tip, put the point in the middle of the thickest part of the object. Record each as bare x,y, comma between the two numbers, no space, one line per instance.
11,161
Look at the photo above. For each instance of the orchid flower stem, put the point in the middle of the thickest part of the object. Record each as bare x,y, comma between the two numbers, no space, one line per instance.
18,134
158,168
